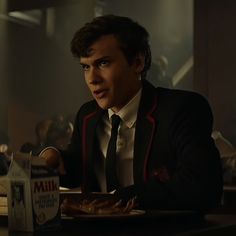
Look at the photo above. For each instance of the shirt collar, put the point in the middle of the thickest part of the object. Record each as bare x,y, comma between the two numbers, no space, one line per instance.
128,113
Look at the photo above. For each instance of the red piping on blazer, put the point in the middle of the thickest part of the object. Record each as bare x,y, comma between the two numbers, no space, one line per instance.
151,119
86,119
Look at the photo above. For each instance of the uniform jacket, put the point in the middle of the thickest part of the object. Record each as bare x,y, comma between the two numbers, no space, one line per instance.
176,164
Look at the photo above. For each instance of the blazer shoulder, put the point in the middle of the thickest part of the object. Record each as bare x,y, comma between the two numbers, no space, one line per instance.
89,106
181,97
87,109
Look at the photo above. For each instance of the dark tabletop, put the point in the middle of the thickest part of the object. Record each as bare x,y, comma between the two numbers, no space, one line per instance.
220,222
153,223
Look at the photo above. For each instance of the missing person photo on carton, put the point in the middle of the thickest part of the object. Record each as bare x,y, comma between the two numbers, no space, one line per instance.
18,204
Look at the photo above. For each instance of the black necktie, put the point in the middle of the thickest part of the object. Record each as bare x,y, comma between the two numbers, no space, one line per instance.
111,173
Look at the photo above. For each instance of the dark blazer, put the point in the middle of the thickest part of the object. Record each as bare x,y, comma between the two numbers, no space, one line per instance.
176,164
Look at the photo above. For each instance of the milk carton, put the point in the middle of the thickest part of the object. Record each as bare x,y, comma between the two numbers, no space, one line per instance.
33,194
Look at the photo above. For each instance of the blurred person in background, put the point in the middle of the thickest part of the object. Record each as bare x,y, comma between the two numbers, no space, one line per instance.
59,134
55,131
4,155
158,73
41,131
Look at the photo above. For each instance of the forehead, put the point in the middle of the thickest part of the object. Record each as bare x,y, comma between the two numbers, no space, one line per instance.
105,46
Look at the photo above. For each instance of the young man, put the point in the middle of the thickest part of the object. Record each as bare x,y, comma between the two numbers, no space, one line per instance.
165,155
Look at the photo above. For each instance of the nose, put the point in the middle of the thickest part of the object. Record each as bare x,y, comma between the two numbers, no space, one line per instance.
93,76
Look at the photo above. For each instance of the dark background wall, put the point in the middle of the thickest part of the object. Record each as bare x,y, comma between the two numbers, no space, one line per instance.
38,76
215,60
39,72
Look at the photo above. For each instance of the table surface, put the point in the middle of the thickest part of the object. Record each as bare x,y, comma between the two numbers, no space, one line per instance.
153,223
221,222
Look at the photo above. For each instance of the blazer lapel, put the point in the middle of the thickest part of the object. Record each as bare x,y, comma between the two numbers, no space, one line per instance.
89,146
145,129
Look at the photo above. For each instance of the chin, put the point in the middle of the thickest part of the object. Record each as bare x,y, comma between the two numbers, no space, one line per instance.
103,105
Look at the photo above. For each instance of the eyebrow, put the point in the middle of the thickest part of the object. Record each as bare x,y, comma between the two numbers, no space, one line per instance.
97,60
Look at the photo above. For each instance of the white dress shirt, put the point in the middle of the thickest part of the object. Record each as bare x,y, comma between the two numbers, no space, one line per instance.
125,142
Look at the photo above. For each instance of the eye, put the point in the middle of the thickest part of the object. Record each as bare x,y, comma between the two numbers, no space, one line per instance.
103,63
85,67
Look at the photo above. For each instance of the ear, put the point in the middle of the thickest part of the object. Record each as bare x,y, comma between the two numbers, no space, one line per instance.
139,63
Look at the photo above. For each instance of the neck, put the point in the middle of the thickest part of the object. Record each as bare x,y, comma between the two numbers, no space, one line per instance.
132,94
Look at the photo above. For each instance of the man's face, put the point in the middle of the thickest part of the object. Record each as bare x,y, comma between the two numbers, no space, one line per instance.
110,78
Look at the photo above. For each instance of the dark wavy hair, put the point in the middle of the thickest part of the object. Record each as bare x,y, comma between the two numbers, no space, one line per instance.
132,37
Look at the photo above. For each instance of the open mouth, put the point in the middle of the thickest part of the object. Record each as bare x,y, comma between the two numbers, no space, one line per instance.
100,93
